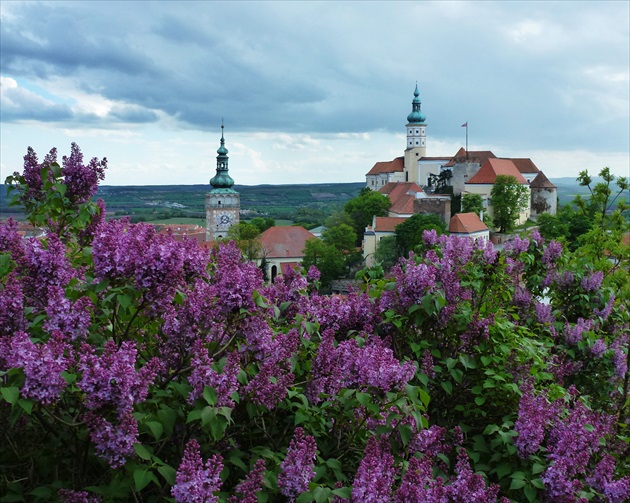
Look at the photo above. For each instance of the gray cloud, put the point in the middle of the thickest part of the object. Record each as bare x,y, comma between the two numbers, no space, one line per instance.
528,74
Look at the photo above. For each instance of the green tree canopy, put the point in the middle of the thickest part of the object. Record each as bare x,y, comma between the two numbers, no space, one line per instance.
245,236
364,207
509,198
341,237
472,203
328,259
409,233
387,252
262,223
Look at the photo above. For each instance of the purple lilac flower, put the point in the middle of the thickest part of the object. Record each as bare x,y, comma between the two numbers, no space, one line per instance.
329,367
11,242
603,473
618,491
598,348
375,476
537,238
427,364
565,280
71,319
111,378
313,274
225,383
82,181
195,483
522,297
534,415
572,441
418,484
43,365
69,496
592,282
430,441
11,307
517,246
376,367
430,237
619,357
469,487
551,253
573,334
113,442
250,485
605,312
355,311
544,313
270,385
298,467
32,173
45,266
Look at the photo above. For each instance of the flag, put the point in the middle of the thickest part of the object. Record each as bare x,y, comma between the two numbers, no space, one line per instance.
465,124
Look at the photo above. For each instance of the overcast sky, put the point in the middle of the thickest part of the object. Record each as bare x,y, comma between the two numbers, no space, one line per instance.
312,92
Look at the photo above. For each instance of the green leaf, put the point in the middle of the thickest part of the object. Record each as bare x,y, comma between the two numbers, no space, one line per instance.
447,386
156,429
210,395
168,417
531,493
480,400
142,451
168,472
424,397
142,477
27,405
517,484
321,494
42,492
10,394
343,492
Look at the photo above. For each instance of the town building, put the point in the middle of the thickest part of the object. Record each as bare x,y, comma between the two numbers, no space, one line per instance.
283,248
468,225
223,203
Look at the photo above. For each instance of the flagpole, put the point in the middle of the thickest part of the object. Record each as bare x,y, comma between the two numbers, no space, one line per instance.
465,124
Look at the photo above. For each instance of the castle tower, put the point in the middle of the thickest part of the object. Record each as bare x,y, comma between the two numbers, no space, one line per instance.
416,138
223,203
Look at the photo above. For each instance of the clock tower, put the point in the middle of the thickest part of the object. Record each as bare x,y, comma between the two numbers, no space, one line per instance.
416,138
223,203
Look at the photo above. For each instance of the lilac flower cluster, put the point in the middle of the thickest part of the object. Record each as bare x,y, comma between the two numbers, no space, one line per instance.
81,180
355,311
194,482
69,496
45,266
111,378
247,488
270,385
572,441
113,442
535,413
33,174
154,262
573,334
70,318
11,307
374,479
469,487
372,365
202,374
10,240
298,467
43,364
418,484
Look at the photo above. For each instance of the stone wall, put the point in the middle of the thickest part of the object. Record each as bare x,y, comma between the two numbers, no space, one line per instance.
440,206
544,200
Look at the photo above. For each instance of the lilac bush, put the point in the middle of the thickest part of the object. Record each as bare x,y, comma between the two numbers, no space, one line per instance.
134,367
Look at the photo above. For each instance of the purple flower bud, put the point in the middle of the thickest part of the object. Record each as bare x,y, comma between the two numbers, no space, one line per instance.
298,467
195,483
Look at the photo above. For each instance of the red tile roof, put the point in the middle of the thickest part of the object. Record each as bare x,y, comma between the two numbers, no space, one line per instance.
492,168
524,165
466,223
541,182
387,224
397,164
285,242
479,156
402,195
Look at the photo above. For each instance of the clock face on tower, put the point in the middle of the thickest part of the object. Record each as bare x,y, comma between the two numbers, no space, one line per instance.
223,218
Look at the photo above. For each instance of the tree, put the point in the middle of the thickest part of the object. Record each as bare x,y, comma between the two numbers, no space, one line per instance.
328,259
387,252
341,237
245,236
409,233
364,207
262,223
472,203
509,199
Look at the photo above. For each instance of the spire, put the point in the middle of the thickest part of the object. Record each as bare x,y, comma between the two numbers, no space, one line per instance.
222,180
416,116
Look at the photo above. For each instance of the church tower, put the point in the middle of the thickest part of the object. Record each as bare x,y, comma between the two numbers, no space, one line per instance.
223,203
416,138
